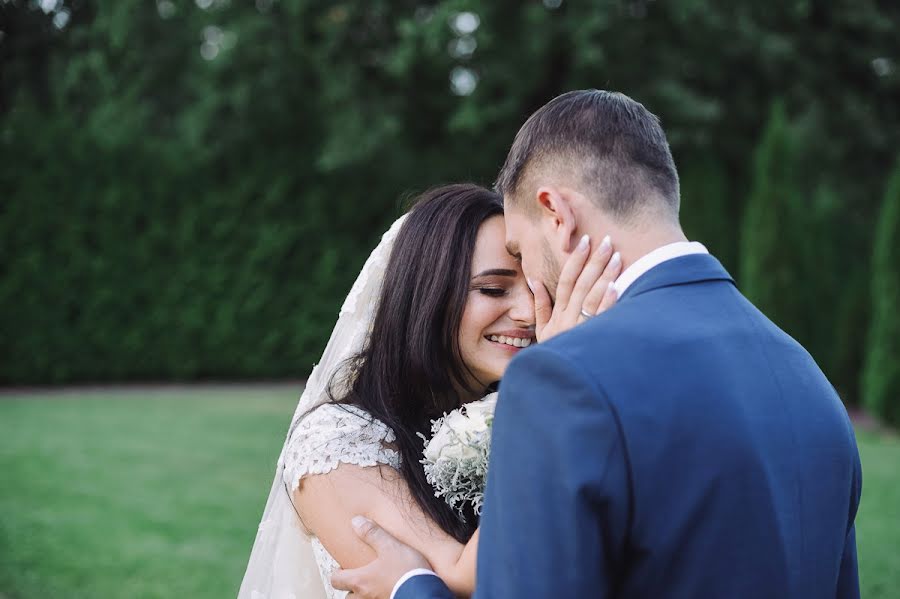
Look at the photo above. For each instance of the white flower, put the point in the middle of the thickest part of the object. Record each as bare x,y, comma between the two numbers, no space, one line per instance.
481,412
459,452
460,429
456,457
450,439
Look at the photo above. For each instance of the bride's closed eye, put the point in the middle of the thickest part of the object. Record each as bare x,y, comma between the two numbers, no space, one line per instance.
493,282
491,291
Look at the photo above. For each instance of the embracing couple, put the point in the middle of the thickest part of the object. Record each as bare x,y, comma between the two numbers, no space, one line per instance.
655,435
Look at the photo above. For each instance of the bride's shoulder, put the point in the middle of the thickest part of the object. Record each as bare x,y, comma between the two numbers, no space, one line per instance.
334,434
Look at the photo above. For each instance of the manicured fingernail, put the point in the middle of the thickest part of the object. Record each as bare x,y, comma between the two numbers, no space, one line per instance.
615,260
606,244
584,243
612,287
530,285
358,522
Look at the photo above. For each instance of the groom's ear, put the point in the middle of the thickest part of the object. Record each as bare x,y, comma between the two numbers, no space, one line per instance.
558,215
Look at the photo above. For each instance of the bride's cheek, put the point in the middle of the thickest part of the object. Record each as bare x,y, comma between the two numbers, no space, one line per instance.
470,329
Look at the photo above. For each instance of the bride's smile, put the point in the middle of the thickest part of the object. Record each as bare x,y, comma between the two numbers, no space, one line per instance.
513,340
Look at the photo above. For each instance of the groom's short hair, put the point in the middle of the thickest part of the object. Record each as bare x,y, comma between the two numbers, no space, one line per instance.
612,143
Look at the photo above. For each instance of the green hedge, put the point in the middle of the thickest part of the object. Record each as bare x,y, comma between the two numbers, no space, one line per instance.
144,270
167,213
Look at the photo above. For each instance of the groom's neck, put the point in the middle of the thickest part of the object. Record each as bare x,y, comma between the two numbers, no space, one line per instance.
635,243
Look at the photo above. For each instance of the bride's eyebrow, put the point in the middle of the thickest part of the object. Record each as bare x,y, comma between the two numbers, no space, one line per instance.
496,272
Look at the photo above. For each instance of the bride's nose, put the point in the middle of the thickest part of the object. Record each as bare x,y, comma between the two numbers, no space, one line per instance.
522,308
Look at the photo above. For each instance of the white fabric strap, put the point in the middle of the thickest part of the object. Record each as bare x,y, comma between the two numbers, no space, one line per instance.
408,575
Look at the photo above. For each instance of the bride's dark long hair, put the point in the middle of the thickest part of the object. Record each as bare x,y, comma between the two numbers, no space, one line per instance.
411,370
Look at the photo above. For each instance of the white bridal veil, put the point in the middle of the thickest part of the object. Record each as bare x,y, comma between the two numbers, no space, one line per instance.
282,564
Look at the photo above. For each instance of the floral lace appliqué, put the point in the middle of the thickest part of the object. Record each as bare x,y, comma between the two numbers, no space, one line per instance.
337,434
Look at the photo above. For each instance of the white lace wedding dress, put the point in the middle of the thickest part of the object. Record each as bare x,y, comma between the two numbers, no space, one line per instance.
324,439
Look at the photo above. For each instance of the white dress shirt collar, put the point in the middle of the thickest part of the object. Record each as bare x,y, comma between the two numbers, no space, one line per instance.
654,259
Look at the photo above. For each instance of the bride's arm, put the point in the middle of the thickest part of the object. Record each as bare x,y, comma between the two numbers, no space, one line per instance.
464,570
327,503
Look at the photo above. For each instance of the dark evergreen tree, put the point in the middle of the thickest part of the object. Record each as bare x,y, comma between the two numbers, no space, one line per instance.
768,258
881,379
707,202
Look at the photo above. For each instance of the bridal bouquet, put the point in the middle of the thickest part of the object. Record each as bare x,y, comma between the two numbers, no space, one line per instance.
456,456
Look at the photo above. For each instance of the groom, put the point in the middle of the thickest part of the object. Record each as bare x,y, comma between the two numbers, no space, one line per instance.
679,444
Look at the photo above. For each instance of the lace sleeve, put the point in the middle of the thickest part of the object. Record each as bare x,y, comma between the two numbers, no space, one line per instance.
337,434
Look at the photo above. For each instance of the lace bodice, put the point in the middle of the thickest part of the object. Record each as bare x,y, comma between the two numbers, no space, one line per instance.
324,439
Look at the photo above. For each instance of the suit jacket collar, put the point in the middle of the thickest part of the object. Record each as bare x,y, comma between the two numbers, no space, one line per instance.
694,268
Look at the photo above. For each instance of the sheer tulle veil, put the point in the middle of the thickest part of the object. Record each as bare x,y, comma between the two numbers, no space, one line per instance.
282,564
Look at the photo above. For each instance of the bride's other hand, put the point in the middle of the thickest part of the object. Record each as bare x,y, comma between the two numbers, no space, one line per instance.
585,287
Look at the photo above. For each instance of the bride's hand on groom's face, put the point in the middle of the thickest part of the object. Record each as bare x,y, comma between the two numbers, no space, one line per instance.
376,579
585,289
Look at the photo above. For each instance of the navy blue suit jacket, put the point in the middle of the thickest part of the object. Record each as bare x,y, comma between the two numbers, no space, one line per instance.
678,445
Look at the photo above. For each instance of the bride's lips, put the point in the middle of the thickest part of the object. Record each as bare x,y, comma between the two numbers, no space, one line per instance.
512,340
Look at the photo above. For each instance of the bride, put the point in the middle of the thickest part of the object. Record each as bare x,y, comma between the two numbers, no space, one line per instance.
437,313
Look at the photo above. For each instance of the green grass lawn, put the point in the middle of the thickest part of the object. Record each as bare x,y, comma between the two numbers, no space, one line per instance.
158,494
135,495
878,521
